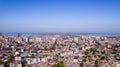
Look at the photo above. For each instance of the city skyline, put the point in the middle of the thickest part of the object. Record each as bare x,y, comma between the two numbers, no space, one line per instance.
96,16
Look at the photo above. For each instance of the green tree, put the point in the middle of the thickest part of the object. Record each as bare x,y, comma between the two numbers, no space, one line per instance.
1,62
84,60
86,53
53,47
96,64
103,57
10,58
61,64
80,48
55,65
24,62
81,65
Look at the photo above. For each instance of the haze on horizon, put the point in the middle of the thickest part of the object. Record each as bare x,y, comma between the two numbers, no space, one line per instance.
101,16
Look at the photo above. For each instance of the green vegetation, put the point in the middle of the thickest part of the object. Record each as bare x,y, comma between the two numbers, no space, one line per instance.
113,52
10,58
81,65
86,53
84,60
24,62
103,57
80,48
63,44
30,43
20,44
118,58
91,49
1,62
8,48
32,56
96,64
118,62
61,64
53,47
103,52
55,65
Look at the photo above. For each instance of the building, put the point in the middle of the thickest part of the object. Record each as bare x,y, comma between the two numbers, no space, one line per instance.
0,34
18,34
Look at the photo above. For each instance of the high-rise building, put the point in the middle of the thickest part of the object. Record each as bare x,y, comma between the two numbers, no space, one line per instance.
18,34
0,34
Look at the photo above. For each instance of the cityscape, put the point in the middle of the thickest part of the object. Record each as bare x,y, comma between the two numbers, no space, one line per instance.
59,50
59,33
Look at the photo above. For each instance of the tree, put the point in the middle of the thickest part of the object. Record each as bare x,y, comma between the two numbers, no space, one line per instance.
61,64
24,62
10,58
81,65
113,52
84,60
96,64
55,65
1,62
80,48
63,44
103,52
86,53
103,57
53,47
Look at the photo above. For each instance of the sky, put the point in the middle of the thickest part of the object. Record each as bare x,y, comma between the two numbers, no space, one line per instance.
78,16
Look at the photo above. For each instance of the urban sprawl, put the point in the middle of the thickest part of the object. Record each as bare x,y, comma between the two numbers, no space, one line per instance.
59,51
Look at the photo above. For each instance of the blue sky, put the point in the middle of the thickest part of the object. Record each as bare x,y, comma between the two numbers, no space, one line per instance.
93,16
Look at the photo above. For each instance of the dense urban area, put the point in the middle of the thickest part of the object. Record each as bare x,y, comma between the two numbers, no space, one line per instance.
59,51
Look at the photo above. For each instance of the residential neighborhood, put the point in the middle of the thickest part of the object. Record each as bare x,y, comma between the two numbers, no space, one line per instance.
59,51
